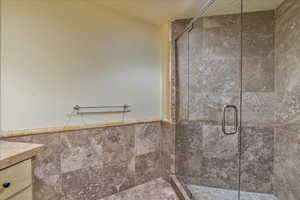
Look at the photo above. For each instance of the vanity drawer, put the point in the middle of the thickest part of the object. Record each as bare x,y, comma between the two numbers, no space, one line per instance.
24,195
18,178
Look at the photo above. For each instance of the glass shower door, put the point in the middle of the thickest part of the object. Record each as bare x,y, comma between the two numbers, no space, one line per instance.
208,102
260,172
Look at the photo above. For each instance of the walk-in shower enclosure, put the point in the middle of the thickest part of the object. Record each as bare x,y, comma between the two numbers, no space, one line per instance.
238,100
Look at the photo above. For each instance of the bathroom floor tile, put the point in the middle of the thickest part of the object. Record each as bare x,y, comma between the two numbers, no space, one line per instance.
153,190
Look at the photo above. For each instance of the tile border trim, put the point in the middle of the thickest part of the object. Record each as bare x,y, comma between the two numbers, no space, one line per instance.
52,130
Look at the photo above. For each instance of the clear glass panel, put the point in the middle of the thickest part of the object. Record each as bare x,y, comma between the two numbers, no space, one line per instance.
182,61
263,160
208,78
270,113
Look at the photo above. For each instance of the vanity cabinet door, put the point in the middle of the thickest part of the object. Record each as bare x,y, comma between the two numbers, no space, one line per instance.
14,179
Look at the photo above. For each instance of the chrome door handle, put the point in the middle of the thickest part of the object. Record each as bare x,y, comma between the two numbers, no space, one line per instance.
235,120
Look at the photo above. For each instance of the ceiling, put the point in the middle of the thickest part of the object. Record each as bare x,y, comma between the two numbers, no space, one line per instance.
222,7
161,11
155,11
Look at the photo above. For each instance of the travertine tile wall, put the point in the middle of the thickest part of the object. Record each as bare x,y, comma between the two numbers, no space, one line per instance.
204,155
91,164
168,149
177,28
287,87
258,102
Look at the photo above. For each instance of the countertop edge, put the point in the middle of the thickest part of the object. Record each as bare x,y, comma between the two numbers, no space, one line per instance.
19,157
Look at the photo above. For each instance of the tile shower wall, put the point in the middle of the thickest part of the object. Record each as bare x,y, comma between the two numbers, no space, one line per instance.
91,164
177,28
287,86
258,102
204,156
168,149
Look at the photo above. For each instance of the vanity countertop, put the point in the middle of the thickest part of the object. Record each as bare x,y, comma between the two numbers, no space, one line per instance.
14,152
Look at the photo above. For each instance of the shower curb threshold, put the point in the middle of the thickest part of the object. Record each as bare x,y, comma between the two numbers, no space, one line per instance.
180,190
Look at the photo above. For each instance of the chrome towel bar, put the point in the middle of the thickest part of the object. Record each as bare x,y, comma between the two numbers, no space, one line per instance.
78,109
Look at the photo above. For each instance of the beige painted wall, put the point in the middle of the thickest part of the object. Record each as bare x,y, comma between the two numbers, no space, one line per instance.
166,90
56,54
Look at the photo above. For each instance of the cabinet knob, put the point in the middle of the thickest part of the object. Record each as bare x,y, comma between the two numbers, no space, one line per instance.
6,185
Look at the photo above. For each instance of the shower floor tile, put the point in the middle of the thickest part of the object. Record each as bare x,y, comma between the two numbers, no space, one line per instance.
208,193
154,190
